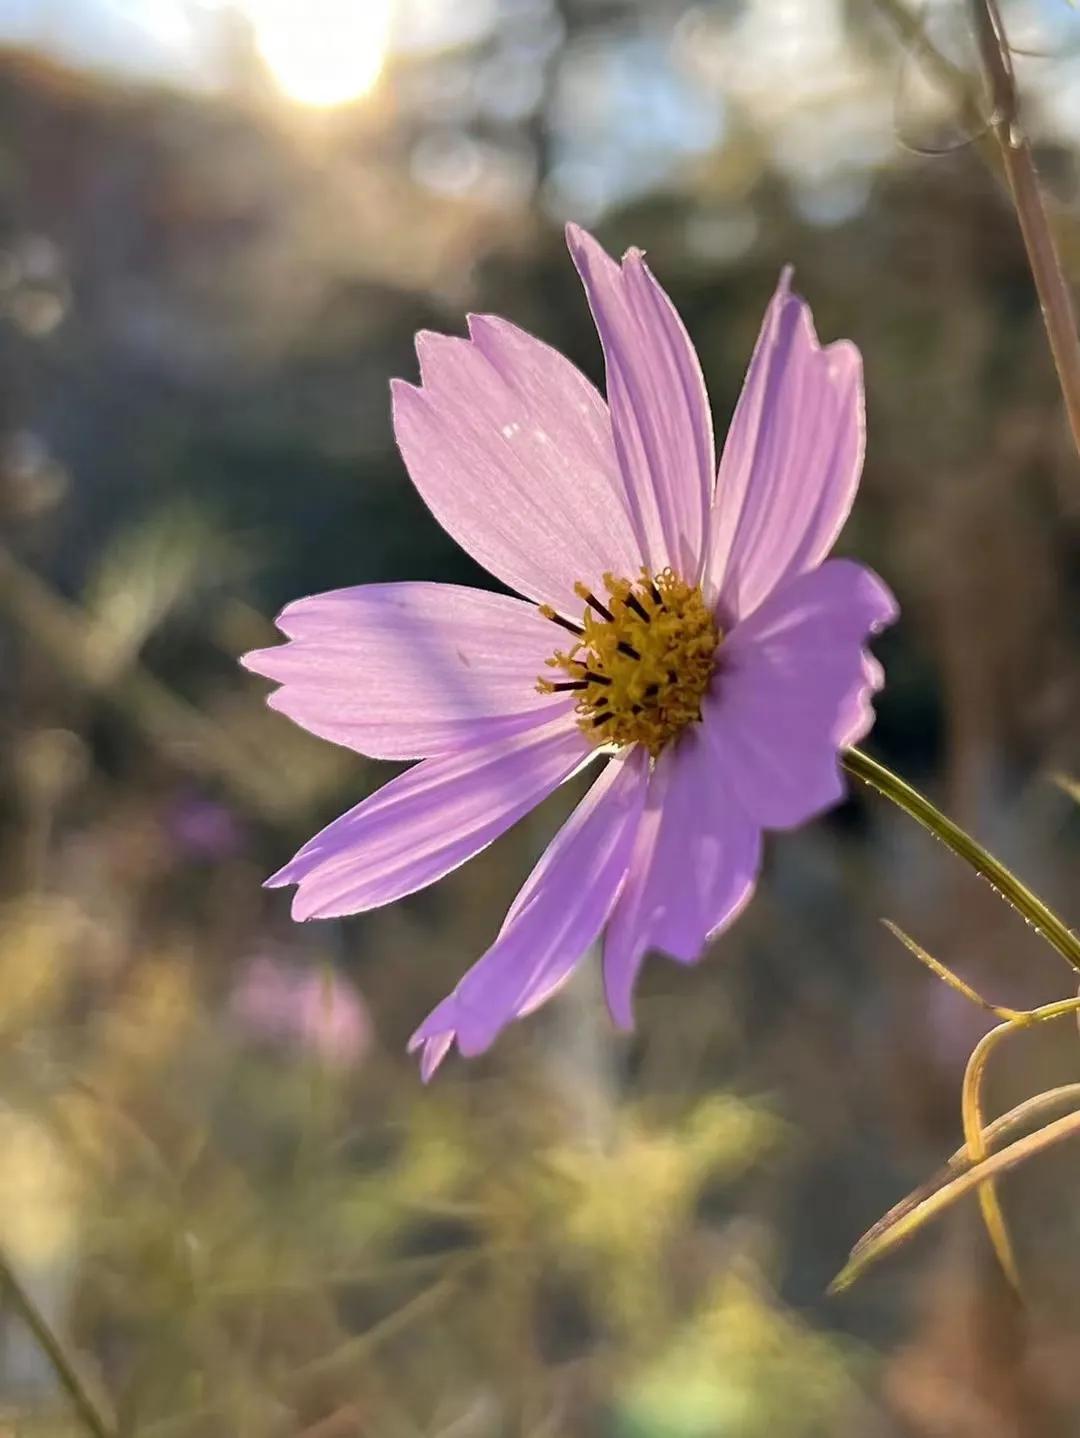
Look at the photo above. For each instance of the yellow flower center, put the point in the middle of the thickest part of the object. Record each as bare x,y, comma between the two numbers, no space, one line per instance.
641,662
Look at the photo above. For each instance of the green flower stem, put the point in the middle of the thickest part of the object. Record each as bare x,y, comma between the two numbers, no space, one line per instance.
84,1406
1041,918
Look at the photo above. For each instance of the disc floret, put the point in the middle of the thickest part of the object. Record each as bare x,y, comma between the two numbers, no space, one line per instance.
642,661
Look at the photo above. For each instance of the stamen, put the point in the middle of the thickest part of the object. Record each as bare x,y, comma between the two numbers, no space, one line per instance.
642,663
549,613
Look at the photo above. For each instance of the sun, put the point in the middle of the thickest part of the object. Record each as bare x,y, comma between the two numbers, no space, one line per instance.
322,52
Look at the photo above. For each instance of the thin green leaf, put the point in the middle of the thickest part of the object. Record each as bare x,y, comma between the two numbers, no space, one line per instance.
867,1253
1038,914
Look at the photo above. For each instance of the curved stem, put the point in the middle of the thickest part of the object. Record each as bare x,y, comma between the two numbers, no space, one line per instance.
978,1148
53,1350
1041,918
966,1170
960,1162
914,1217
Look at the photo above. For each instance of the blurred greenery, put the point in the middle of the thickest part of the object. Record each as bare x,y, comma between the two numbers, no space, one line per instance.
243,1226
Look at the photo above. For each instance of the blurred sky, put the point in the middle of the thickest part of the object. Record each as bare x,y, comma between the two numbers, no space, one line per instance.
324,51
623,109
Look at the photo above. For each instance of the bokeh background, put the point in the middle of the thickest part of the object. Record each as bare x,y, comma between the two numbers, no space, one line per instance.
221,222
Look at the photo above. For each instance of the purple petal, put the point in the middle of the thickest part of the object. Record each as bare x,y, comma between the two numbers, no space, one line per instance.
659,406
792,458
693,870
398,671
557,915
432,818
434,1051
793,689
510,447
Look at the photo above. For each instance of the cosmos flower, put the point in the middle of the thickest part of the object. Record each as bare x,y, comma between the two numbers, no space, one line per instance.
312,1009
681,623
201,828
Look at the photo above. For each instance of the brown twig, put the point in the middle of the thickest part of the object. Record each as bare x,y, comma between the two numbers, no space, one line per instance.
1054,295
66,1374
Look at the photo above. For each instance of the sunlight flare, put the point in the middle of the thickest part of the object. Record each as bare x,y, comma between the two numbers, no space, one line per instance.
322,53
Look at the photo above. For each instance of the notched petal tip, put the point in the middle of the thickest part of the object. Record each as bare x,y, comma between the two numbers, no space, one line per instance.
479,325
278,699
438,356
304,908
843,357
586,250
433,1039
871,597
402,393
582,243
427,342
254,659
435,1050
793,309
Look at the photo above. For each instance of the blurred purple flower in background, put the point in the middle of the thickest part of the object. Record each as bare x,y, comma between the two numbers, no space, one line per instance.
203,828
314,1009
707,650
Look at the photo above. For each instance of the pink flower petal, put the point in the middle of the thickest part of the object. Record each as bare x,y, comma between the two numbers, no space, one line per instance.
794,687
659,406
263,999
511,449
399,671
792,458
433,1052
563,403
330,1017
432,818
557,915
694,867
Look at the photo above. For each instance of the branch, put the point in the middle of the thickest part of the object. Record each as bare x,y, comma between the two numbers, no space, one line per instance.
1054,295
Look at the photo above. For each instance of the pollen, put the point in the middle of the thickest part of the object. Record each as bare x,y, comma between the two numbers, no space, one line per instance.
642,660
